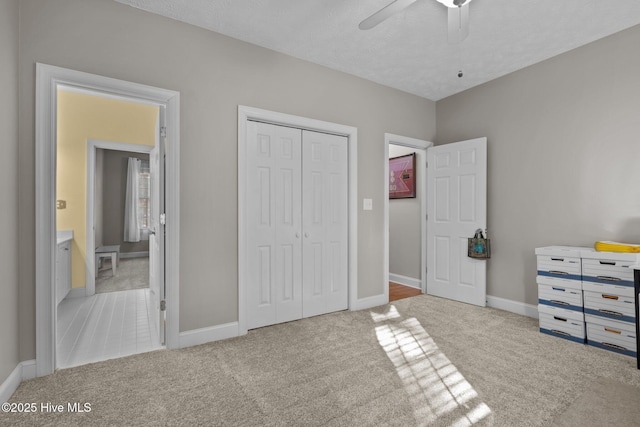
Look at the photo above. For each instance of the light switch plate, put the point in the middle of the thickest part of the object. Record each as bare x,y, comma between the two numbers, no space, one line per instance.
367,204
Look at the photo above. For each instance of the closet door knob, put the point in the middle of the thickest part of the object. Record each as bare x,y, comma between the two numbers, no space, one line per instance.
306,234
297,235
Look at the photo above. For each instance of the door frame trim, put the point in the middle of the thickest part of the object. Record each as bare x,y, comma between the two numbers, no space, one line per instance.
48,78
246,114
92,146
418,144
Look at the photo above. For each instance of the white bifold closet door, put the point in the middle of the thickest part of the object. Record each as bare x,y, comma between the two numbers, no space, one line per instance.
324,223
296,216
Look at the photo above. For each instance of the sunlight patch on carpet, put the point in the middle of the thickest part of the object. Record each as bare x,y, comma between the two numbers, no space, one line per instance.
391,313
435,386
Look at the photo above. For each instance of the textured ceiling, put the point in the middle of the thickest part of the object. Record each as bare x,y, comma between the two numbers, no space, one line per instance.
409,51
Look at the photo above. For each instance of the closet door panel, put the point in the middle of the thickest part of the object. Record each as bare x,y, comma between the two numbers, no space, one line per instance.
325,223
273,201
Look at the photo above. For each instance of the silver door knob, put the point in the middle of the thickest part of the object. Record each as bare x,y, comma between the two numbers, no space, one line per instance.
306,234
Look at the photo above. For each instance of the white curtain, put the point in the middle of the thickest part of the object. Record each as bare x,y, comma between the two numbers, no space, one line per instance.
131,221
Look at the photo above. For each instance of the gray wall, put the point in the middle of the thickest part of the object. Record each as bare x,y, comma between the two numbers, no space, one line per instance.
404,223
214,74
9,350
563,154
113,195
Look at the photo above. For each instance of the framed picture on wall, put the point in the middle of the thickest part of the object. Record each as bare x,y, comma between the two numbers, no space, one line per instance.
402,177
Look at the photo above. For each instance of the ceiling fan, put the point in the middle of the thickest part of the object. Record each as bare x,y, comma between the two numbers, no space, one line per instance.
458,21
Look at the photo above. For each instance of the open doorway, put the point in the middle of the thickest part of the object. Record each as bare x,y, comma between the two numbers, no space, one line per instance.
121,202
405,220
106,309
118,199
164,225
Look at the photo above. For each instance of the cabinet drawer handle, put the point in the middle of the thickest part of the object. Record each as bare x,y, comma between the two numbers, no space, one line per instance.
555,301
561,332
610,312
557,259
613,331
609,278
608,262
615,297
558,289
560,273
617,347
559,318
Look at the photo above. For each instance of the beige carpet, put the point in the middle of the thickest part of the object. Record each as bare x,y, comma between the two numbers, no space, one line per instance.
417,361
605,403
131,273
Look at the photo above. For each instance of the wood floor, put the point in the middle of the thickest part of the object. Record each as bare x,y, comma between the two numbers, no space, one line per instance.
397,291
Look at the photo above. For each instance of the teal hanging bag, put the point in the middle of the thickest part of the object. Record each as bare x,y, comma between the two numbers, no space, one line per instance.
479,246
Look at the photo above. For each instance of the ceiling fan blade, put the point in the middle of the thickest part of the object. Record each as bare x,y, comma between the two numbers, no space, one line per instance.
384,13
458,23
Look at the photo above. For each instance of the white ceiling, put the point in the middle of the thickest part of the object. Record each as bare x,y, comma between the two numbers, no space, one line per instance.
409,51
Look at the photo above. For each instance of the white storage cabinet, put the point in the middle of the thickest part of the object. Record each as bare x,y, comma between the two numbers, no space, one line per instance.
560,304
607,283
587,296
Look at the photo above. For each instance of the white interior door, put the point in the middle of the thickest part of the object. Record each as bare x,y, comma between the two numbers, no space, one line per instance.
325,223
273,242
456,207
156,228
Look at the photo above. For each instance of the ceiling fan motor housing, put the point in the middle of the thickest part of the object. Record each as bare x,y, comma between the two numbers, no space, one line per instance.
454,3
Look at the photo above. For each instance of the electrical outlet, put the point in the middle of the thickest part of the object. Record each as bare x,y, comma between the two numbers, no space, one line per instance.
367,204
61,204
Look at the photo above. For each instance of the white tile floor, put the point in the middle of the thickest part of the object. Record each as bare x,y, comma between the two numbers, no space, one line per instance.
104,326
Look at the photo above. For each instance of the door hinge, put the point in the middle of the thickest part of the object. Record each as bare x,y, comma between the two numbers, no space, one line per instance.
163,305
427,164
163,132
163,219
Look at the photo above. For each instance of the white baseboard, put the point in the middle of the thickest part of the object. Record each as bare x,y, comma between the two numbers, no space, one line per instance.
24,371
405,280
10,385
513,306
205,335
28,370
77,293
368,302
134,254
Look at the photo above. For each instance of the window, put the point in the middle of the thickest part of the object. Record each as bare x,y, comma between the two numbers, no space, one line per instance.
144,201
137,207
